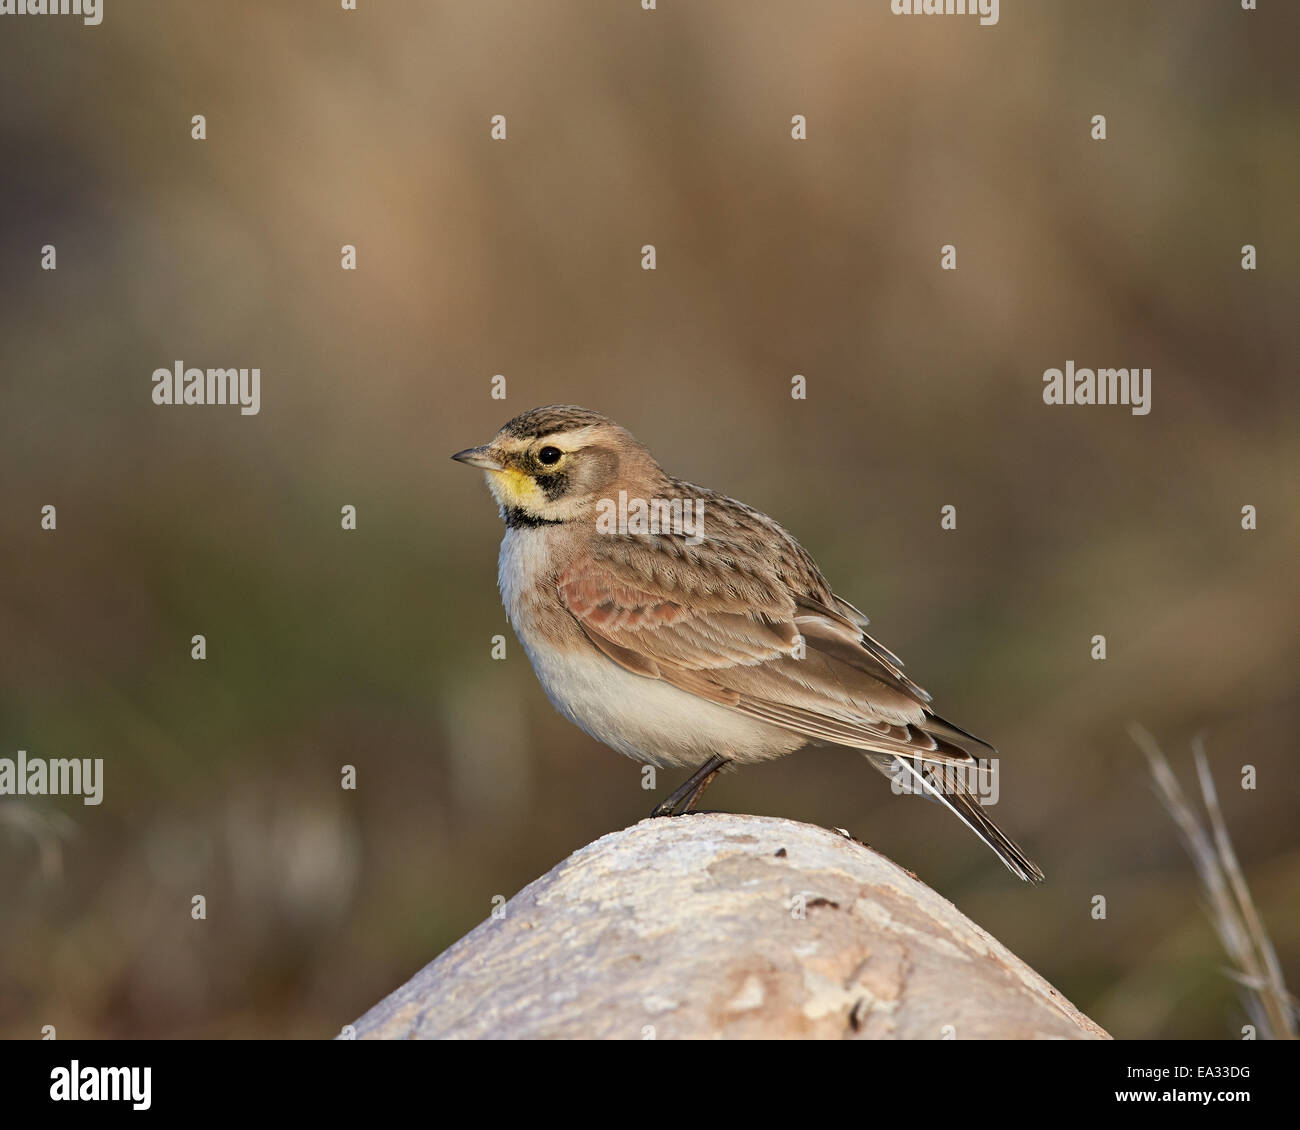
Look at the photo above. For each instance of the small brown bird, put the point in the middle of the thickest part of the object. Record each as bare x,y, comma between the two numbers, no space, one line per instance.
684,628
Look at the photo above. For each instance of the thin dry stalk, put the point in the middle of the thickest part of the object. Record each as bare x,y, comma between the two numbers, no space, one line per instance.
1231,909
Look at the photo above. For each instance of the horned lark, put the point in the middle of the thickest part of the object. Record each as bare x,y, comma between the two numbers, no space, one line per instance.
708,643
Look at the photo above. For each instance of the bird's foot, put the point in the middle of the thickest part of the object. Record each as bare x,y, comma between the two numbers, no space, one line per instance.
663,809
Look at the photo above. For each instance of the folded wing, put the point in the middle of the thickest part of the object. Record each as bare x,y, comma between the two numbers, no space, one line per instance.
763,635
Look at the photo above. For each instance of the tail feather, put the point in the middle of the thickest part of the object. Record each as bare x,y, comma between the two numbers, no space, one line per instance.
966,807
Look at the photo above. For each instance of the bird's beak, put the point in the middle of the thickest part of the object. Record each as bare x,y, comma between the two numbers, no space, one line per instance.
479,457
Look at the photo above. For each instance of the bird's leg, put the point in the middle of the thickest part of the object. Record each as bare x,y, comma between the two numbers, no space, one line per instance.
683,800
699,789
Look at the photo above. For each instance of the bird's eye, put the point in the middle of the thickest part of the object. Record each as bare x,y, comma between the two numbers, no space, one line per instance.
549,455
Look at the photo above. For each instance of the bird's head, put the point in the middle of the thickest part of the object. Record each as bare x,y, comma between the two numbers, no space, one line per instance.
554,464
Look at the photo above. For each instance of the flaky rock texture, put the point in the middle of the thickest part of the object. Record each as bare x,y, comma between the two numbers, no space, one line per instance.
721,926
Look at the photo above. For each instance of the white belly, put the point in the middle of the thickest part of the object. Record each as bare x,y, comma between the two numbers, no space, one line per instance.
646,719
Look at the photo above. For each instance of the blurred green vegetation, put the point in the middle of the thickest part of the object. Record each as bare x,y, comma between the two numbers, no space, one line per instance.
372,648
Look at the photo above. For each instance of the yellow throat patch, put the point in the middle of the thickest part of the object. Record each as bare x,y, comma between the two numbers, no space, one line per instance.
513,489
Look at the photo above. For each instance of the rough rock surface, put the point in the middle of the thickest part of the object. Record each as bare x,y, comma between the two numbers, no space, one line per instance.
733,927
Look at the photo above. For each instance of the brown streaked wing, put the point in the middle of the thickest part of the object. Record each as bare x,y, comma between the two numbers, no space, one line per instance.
728,635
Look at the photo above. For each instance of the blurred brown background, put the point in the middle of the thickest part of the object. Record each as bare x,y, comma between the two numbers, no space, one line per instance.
521,257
